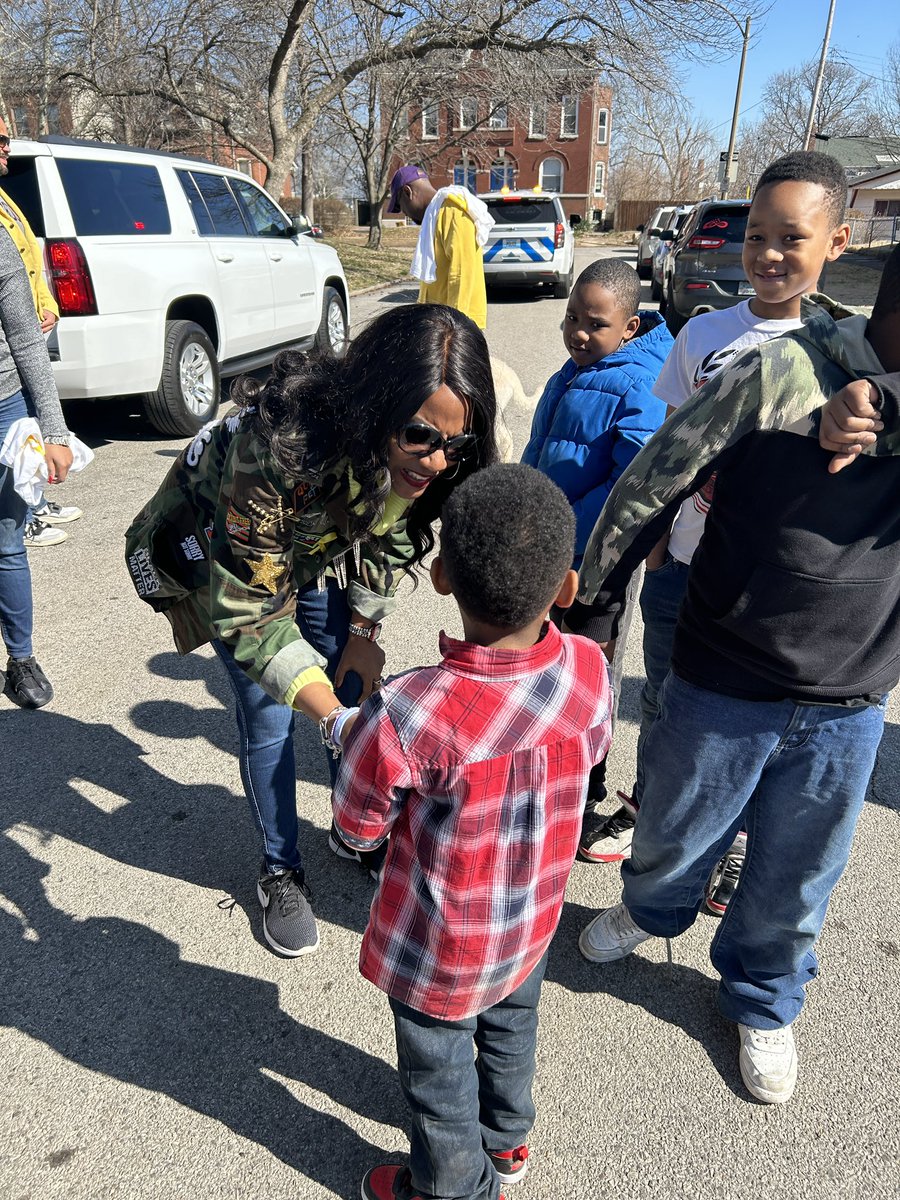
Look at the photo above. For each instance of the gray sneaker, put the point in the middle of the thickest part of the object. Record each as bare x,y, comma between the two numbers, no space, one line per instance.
611,935
288,921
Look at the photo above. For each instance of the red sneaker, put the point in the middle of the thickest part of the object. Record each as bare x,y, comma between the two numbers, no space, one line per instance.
510,1165
390,1183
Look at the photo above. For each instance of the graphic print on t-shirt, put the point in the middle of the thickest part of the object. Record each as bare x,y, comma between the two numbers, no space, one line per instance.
713,362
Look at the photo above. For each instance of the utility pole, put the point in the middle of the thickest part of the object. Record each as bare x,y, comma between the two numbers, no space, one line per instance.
817,87
729,161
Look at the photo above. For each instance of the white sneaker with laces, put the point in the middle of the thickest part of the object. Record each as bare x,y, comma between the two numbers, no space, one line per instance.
51,513
39,534
611,935
768,1063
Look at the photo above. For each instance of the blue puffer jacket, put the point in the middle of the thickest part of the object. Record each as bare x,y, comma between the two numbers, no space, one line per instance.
591,422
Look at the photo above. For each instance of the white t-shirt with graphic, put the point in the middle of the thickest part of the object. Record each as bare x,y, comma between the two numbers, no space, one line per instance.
703,348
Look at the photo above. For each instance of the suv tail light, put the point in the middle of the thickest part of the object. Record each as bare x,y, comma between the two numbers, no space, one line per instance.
698,242
560,236
71,278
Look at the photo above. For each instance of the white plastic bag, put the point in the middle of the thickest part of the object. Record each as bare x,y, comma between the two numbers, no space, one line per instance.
23,451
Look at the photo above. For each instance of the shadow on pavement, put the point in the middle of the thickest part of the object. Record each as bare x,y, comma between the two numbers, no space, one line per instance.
116,998
677,994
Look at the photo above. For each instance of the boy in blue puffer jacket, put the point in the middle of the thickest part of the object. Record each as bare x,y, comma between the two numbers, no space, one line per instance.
599,410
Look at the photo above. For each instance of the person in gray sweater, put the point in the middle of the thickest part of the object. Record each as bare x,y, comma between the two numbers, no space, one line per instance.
24,365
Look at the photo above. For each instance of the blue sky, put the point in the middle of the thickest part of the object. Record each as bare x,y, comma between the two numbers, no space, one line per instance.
788,35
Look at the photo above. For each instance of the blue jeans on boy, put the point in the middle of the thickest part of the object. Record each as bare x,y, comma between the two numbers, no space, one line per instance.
661,598
266,728
460,1105
795,775
16,608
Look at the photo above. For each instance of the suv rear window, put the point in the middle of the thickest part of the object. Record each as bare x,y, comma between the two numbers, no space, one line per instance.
21,186
114,197
522,212
727,223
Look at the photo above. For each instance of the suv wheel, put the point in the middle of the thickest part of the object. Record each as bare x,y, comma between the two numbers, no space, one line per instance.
332,334
675,321
561,290
188,392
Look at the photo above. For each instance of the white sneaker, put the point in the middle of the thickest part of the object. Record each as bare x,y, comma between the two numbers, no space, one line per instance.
768,1063
39,534
612,934
51,513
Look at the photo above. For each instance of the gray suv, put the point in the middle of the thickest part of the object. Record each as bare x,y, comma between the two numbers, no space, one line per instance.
703,268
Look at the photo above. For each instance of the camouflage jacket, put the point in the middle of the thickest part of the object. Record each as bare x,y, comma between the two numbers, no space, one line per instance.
226,542
794,590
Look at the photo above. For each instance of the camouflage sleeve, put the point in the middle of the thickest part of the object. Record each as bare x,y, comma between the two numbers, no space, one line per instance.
371,591
696,441
252,589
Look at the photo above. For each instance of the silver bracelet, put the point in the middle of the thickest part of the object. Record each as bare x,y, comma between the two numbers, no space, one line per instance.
325,733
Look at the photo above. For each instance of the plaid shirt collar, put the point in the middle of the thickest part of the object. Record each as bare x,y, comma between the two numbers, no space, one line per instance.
466,658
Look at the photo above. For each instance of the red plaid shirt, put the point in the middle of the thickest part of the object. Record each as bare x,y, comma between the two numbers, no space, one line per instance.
478,770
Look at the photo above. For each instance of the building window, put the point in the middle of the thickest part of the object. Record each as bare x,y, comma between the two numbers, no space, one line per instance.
429,119
568,121
22,119
537,121
599,172
502,174
603,126
886,208
468,112
499,115
464,175
244,166
551,175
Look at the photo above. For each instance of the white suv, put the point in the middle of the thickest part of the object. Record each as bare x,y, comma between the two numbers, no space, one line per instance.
169,273
531,243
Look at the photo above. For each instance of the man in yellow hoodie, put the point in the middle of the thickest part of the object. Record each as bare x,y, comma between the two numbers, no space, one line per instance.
448,257
40,527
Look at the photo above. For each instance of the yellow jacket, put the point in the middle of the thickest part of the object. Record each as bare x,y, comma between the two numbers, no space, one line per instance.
27,245
460,270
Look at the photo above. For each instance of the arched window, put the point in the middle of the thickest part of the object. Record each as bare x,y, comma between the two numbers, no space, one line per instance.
503,174
464,175
551,175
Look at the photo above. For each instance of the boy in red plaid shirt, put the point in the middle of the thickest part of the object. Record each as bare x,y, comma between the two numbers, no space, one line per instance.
477,768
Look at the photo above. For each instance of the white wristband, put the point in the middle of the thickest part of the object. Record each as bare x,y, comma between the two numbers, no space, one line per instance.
337,730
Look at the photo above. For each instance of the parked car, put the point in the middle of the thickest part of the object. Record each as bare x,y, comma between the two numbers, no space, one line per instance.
703,267
532,242
170,273
649,239
664,244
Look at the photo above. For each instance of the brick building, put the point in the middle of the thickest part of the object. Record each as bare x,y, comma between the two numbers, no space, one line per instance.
484,142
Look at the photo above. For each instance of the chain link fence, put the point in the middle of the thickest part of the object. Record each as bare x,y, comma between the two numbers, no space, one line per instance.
871,231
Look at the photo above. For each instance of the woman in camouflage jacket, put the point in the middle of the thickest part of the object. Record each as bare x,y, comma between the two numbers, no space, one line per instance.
280,535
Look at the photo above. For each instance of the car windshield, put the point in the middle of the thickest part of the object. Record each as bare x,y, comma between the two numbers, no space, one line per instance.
522,212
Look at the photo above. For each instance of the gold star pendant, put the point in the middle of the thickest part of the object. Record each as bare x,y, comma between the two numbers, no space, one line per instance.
266,573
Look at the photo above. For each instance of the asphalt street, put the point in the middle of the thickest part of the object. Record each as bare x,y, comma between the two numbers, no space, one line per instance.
153,1047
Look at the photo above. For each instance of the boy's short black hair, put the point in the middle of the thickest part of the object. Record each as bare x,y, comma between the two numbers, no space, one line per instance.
507,540
617,277
809,166
888,299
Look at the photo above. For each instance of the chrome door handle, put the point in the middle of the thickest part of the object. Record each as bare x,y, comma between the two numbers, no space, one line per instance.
225,257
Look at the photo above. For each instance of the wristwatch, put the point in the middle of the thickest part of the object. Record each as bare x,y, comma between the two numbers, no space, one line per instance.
370,632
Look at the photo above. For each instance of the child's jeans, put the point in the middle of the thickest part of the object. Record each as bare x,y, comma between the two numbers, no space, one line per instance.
461,1105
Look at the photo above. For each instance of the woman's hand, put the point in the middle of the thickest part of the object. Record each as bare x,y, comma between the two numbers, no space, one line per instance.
850,421
58,459
366,659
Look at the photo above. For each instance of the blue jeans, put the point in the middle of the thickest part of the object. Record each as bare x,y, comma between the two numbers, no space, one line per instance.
462,1105
266,728
16,609
796,776
661,598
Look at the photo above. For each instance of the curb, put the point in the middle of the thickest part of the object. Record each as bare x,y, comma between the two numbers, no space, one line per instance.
376,287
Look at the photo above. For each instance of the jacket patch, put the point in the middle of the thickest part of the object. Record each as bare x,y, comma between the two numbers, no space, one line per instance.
146,581
305,494
266,573
237,524
193,551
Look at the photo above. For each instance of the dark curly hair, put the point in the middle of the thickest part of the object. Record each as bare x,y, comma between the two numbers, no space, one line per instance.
809,166
315,411
617,277
507,541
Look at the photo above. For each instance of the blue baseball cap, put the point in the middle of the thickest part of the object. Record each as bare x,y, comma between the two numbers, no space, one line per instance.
402,177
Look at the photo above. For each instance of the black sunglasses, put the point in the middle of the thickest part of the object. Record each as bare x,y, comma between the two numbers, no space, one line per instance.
4,140
421,440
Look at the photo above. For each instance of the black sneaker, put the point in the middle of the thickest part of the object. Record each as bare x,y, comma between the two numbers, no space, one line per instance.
724,880
372,860
288,922
26,683
608,839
